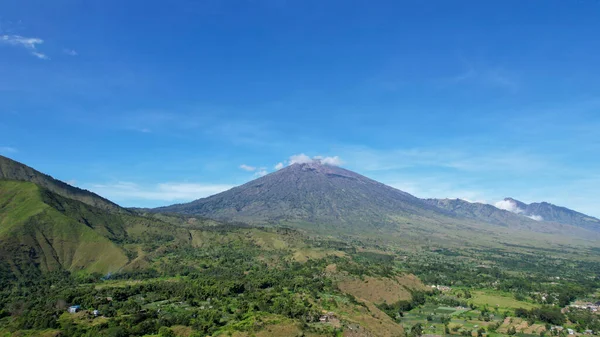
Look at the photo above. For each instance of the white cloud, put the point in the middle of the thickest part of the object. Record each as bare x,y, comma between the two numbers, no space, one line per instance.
304,159
70,52
17,40
536,217
300,159
333,161
261,172
167,192
509,205
8,149
248,168
39,55
279,166
29,43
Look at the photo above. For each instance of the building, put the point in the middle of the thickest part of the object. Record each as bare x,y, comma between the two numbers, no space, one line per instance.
74,308
96,313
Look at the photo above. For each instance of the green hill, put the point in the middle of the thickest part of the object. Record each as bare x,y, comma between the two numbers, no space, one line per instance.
41,229
13,170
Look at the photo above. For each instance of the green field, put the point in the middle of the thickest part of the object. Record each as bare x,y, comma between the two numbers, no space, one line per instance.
499,300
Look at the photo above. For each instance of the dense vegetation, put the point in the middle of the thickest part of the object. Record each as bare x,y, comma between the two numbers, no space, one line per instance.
148,274
236,285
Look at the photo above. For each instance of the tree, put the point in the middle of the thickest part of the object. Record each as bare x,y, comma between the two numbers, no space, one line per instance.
416,330
165,332
480,332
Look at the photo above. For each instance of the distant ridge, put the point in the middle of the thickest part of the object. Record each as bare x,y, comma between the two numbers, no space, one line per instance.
545,211
483,212
13,170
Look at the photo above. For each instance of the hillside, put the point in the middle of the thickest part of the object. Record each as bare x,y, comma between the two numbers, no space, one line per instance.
35,233
13,170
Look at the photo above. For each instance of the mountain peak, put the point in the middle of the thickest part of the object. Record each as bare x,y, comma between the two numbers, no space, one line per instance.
317,166
309,192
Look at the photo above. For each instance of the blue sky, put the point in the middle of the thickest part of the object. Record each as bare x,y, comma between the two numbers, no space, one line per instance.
151,102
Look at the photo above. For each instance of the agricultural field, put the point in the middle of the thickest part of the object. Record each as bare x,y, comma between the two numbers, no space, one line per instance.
496,299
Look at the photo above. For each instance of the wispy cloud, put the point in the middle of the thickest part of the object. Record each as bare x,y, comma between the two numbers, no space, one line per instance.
279,166
39,55
167,192
7,150
472,160
261,172
485,75
70,52
332,161
304,159
434,187
29,43
258,171
248,168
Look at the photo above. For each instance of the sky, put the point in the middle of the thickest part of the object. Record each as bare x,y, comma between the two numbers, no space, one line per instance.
151,103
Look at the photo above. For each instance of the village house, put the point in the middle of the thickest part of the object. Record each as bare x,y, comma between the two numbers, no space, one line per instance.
74,308
441,288
586,306
327,317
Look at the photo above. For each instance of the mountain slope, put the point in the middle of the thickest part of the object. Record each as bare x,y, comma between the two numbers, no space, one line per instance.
33,233
336,201
13,170
310,192
549,212
483,212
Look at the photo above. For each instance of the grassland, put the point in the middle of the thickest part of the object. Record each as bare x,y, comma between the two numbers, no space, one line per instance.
500,300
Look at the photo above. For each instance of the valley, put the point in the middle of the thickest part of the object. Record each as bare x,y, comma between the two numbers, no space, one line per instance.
310,250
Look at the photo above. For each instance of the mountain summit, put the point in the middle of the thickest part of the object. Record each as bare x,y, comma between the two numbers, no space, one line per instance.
310,192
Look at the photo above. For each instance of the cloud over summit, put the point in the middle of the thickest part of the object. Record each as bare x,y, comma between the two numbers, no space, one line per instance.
513,207
304,159
509,205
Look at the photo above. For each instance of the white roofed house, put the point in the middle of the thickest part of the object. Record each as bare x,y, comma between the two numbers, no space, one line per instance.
73,309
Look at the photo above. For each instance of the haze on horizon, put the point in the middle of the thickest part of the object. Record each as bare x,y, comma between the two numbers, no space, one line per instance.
149,103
